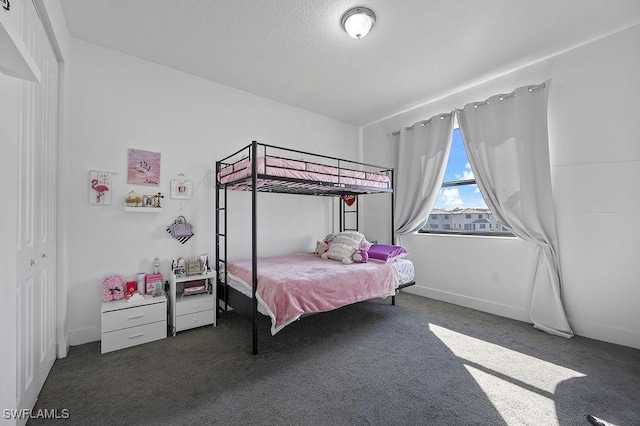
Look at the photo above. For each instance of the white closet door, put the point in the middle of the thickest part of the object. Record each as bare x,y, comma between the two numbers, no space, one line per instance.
36,255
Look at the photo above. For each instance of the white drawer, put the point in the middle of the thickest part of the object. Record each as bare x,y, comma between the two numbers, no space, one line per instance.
120,339
133,316
191,304
185,322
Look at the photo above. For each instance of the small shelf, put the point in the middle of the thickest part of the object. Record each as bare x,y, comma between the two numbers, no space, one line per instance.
143,209
194,310
185,278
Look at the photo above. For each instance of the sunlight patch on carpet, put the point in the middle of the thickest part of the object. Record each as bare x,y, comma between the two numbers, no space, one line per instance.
513,382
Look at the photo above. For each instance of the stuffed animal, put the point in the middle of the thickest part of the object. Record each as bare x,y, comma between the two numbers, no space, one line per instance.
112,288
329,237
360,256
346,260
321,247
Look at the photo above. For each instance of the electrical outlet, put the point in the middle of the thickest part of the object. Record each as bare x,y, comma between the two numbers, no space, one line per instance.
494,277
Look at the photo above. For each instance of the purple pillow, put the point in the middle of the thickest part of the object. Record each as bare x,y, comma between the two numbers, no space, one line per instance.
386,253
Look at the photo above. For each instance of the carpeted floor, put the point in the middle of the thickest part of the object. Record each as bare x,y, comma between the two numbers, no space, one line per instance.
421,362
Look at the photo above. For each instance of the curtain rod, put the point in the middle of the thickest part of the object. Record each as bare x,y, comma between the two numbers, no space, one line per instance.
421,123
475,105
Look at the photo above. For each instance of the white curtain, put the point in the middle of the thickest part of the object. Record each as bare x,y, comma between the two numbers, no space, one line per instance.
423,151
507,143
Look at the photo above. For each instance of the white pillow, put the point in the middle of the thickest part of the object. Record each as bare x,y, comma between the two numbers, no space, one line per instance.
343,245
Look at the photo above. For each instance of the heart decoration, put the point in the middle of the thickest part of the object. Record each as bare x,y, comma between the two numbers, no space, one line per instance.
349,199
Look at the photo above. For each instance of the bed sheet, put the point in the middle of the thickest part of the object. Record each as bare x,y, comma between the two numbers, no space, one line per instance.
280,167
303,283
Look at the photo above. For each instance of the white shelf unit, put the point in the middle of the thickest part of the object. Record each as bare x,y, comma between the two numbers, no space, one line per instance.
195,310
143,209
126,324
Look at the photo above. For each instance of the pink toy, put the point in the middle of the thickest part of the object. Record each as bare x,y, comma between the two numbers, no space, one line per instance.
112,288
360,256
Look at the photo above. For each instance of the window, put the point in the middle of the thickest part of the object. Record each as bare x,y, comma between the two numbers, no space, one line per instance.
460,207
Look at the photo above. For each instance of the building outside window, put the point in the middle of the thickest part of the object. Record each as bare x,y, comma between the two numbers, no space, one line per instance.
460,208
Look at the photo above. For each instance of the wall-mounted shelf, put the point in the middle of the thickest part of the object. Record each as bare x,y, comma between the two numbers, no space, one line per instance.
15,60
143,209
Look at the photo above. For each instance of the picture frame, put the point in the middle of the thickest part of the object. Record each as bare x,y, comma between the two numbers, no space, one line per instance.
100,190
143,168
194,267
181,189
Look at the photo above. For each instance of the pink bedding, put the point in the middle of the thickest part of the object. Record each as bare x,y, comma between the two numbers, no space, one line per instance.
293,285
281,167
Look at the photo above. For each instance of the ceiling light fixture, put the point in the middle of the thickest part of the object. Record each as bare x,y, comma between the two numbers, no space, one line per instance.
358,21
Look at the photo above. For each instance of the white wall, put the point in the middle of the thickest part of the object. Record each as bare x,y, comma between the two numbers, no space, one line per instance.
595,160
117,102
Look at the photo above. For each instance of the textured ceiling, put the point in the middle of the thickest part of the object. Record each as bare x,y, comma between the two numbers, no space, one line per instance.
295,52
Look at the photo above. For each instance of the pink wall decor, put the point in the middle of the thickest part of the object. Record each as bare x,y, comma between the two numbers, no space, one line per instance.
100,192
144,168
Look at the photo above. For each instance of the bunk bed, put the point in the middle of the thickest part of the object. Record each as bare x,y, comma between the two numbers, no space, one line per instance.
267,168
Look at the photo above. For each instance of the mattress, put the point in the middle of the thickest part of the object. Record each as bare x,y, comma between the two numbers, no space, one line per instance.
302,170
403,267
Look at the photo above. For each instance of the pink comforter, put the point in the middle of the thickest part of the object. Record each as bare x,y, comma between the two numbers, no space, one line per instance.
302,283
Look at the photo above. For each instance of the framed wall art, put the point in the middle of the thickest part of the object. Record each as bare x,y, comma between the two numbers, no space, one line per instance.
100,187
144,168
181,188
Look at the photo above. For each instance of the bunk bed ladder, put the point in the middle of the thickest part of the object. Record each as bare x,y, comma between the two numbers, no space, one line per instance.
344,212
221,262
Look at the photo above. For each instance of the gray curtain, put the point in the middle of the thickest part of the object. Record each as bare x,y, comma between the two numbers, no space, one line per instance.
423,151
506,139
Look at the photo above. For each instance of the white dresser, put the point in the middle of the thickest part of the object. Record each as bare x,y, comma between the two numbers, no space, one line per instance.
190,311
126,324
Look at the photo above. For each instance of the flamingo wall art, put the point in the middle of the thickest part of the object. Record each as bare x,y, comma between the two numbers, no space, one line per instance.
100,187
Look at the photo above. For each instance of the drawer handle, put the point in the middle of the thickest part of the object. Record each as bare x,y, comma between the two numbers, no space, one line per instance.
135,336
136,316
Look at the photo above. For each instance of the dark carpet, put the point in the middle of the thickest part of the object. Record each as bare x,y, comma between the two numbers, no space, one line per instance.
421,362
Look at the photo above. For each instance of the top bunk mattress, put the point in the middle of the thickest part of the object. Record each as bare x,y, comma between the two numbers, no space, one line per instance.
293,173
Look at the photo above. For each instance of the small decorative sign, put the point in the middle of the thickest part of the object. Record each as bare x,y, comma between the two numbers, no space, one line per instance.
181,188
100,188
144,168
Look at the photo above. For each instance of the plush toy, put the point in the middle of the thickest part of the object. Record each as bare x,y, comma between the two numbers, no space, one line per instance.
360,256
346,260
321,247
329,237
343,245
112,288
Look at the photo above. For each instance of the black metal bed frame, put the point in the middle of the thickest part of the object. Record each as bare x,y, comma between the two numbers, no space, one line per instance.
276,184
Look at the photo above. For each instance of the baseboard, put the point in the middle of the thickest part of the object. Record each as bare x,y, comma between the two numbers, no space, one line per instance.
85,335
607,334
580,328
63,346
471,302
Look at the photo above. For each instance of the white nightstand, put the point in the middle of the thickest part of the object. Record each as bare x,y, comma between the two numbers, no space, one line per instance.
191,311
126,324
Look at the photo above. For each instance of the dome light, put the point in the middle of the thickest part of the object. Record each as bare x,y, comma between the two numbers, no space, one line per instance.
358,21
